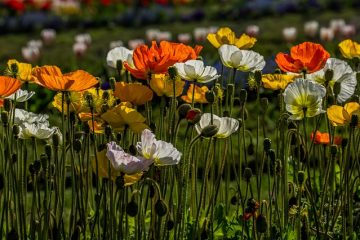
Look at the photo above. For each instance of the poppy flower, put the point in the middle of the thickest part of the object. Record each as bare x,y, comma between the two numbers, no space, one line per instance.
21,95
226,125
135,93
243,60
8,86
309,57
227,36
52,78
123,115
277,81
103,169
119,54
324,138
21,71
349,49
157,59
161,84
195,70
342,73
304,96
341,116
199,94
251,209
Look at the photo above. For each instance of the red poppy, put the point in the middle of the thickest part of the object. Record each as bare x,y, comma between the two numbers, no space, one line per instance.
307,56
324,138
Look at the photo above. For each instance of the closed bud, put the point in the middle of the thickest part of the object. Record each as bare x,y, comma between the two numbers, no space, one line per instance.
112,82
104,108
247,174
333,150
132,208
14,158
183,110
7,104
170,224
132,149
230,89
118,137
160,208
293,202
2,182
48,150
344,142
278,167
120,183
258,76
234,200
277,71
36,166
209,131
261,224
226,113
264,103
243,96
271,155
329,74
354,120
5,117
16,130
108,131
151,191
77,145
172,71
32,169
119,65
301,177
105,96
86,128
44,160
330,99
56,139
337,88
210,96
267,144
250,149
193,116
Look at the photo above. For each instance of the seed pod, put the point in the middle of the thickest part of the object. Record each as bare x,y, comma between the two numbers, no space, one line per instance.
161,208
247,174
132,208
258,77
209,131
261,224
183,110
210,96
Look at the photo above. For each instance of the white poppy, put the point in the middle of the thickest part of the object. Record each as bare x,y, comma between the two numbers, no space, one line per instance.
226,125
326,34
80,48
119,54
83,38
337,24
200,34
252,30
21,95
29,117
125,162
184,38
343,74
311,28
35,44
194,70
289,34
37,130
243,60
162,153
304,96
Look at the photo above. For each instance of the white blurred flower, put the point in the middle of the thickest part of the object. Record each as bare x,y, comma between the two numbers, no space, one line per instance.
162,153
164,36
226,125
200,34
80,48
342,73
134,43
21,95
252,30
152,34
115,44
311,28
194,70
48,36
326,34
337,24
30,54
243,60
30,117
348,31
289,34
125,162
119,54
37,130
84,38
184,38
35,44
304,96
212,29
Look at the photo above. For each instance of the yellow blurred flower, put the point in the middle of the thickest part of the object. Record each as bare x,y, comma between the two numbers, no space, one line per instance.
103,169
349,49
19,70
227,36
199,94
98,126
135,93
340,116
277,81
123,115
161,84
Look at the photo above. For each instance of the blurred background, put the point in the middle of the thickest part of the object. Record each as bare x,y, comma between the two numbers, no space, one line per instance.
78,34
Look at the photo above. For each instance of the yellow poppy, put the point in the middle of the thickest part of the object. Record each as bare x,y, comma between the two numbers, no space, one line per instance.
135,93
161,84
349,49
97,128
227,36
21,71
340,116
276,81
103,169
199,94
124,115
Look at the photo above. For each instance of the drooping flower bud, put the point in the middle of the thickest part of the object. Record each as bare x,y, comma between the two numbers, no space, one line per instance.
193,115
5,117
209,131
77,145
261,224
210,96
247,174
48,150
172,71
267,144
132,208
183,110
161,208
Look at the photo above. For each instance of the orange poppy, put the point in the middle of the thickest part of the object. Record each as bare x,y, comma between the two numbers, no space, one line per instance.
8,86
52,78
157,59
309,57
135,93
324,138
